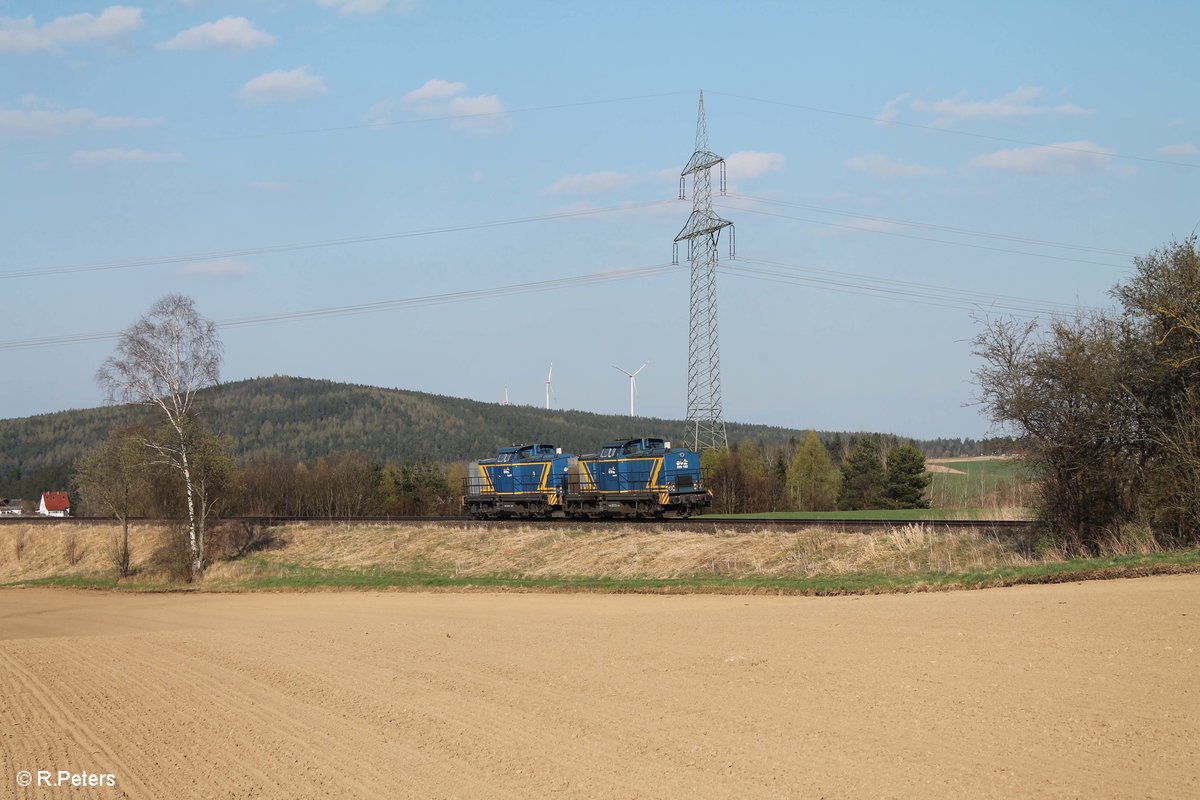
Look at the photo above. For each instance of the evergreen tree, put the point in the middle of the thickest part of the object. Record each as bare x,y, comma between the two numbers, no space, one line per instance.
862,476
812,479
907,480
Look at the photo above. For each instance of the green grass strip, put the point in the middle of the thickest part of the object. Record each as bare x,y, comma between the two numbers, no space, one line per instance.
289,577
913,514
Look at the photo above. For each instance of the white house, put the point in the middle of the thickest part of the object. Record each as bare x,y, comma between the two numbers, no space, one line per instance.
54,504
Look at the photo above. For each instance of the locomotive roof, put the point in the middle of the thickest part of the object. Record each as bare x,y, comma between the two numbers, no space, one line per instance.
535,450
637,440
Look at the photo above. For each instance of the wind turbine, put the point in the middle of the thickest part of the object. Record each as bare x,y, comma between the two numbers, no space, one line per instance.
632,383
505,395
549,386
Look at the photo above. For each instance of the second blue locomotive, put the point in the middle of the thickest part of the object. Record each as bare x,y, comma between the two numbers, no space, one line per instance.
632,478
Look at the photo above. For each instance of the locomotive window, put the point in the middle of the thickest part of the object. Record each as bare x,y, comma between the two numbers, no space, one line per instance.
609,452
504,458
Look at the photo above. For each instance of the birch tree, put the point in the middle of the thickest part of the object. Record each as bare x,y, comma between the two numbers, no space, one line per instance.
162,361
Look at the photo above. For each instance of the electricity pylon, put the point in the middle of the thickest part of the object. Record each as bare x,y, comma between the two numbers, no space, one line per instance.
702,232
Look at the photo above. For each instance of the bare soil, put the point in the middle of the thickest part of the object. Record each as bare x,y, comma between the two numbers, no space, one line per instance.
932,467
1077,690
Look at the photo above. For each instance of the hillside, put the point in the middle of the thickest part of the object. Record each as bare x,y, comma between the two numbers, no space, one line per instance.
308,418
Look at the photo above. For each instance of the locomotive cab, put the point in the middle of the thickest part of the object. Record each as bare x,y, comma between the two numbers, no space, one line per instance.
641,477
524,481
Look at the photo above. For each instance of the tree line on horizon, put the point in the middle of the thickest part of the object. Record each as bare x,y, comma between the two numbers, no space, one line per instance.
309,419
848,473
858,472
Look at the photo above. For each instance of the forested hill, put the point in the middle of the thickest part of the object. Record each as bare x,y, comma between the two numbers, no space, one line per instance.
307,418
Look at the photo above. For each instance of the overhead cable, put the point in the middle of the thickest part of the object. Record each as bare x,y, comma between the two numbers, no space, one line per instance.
860,229
619,274
283,248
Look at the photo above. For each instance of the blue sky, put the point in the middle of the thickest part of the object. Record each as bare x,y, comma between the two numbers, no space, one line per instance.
892,172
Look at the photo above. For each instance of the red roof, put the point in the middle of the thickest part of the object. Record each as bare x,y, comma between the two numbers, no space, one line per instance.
56,501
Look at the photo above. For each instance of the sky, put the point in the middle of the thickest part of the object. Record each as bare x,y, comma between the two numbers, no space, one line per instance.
463,193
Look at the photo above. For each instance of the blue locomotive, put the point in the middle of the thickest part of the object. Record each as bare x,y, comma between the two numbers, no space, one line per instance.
632,478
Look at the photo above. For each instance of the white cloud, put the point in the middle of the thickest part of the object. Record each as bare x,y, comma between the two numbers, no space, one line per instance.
222,266
1063,158
1179,150
890,110
1017,103
593,183
435,89
384,112
228,33
117,155
438,98
746,165
37,117
480,114
880,166
25,36
365,7
282,86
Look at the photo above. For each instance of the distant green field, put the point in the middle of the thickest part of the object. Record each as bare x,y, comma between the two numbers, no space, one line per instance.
914,514
987,484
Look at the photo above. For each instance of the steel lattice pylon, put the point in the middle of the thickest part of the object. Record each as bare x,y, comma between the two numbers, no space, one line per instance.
702,232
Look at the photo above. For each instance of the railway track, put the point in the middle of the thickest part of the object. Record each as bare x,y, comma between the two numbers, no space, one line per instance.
995,526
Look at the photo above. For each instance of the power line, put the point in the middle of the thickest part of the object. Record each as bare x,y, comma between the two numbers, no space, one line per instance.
736,270
956,132
283,248
772,271
912,292
606,276
453,297
1025,303
860,229
938,227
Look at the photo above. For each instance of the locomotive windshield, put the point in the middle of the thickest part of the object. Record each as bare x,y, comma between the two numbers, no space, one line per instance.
504,458
610,452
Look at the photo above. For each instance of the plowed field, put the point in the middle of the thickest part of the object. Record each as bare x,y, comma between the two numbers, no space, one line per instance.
1081,690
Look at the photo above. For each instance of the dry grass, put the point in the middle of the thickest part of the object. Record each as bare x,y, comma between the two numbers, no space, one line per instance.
31,552
635,551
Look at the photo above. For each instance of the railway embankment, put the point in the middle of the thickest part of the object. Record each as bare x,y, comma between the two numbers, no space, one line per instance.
564,557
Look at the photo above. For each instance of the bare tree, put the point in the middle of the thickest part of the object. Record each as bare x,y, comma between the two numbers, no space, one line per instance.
112,479
162,361
1066,391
